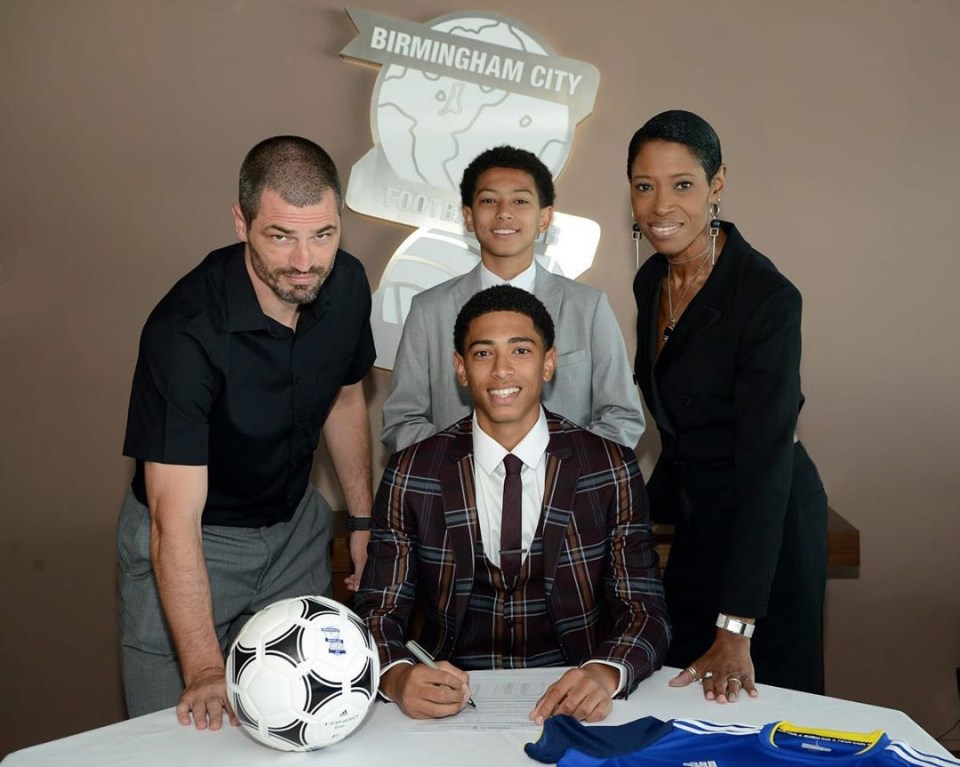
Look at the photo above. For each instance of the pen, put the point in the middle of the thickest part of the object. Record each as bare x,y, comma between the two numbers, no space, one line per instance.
424,657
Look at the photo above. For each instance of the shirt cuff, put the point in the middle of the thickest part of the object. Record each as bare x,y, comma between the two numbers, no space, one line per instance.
412,663
621,669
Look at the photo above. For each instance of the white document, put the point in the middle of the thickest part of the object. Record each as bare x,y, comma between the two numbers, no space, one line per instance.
504,701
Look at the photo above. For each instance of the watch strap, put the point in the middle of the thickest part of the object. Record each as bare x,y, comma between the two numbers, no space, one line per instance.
359,523
735,626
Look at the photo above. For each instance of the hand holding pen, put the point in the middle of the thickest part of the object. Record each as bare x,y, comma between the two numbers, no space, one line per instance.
427,660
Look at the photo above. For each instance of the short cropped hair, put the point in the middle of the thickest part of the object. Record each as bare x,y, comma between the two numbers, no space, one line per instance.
508,157
300,171
680,127
503,298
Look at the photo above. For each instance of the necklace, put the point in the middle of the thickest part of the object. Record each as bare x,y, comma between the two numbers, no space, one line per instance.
673,318
688,259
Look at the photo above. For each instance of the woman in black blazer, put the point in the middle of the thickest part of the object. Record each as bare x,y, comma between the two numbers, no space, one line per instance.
718,362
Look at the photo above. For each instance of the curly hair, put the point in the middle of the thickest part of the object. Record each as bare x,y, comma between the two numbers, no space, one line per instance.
503,298
508,157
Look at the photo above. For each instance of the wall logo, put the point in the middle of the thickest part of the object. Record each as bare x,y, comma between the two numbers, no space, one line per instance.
448,90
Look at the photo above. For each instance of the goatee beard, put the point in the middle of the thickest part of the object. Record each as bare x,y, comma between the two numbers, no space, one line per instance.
292,295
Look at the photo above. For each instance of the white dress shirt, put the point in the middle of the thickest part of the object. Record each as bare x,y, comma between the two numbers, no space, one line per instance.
489,473
524,280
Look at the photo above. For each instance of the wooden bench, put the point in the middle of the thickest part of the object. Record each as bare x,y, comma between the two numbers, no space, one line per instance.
843,544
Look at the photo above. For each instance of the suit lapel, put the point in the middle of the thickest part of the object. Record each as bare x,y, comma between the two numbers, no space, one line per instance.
548,289
706,308
647,348
559,490
466,288
649,366
459,511
647,344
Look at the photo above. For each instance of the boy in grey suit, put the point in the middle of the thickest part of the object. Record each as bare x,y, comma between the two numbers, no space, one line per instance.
507,196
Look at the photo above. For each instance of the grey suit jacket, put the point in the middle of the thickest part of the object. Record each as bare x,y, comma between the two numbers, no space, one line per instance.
593,385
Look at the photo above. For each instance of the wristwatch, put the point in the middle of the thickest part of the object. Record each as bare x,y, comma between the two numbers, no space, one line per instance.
359,523
734,626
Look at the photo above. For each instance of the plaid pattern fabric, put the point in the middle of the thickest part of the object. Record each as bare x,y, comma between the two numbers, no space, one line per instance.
600,579
507,629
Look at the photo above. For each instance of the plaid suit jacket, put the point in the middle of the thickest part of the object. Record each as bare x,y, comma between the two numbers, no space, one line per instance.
601,572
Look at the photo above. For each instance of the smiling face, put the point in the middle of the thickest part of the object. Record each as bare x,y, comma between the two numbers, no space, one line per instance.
506,217
505,366
671,198
289,251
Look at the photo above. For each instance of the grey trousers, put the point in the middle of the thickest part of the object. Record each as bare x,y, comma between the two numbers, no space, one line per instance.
249,568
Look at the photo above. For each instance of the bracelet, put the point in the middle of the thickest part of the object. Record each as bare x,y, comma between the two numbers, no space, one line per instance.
735,626
359,523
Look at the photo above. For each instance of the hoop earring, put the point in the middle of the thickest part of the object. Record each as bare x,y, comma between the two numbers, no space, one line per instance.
714,229
637,236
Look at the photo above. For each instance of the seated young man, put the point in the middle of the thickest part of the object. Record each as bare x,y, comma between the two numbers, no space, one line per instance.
507,196
554,566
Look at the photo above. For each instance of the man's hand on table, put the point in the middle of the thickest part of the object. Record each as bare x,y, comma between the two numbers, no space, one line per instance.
585,693
204,701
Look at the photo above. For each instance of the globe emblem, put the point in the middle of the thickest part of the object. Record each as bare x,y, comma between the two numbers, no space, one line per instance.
430,127
429,122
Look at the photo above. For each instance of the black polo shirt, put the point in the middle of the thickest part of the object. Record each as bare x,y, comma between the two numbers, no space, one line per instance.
220,384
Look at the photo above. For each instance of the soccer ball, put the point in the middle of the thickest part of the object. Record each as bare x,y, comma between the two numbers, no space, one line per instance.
302,673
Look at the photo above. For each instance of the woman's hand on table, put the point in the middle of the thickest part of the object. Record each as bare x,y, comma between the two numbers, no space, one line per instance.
725,670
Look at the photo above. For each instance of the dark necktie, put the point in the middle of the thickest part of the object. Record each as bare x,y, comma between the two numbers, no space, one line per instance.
511,520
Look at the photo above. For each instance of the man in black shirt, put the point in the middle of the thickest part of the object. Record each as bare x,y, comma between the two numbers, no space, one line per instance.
241,366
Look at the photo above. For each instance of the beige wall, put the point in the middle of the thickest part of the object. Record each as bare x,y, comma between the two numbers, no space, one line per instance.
122,125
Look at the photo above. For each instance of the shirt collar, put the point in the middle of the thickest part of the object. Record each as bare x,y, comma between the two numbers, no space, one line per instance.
488,453
525,280
243,309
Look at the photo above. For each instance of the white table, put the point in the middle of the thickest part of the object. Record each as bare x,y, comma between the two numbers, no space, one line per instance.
388,738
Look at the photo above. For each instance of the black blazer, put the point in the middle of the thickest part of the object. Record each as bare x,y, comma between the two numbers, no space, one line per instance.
725,395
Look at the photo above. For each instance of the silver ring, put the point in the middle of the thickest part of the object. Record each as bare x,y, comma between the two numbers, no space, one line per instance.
734,679
693,671
708,675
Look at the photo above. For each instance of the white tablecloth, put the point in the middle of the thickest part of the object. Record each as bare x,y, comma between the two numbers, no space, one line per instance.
388,738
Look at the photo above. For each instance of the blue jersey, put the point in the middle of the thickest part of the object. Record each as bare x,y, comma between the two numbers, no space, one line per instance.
563,733
690,743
